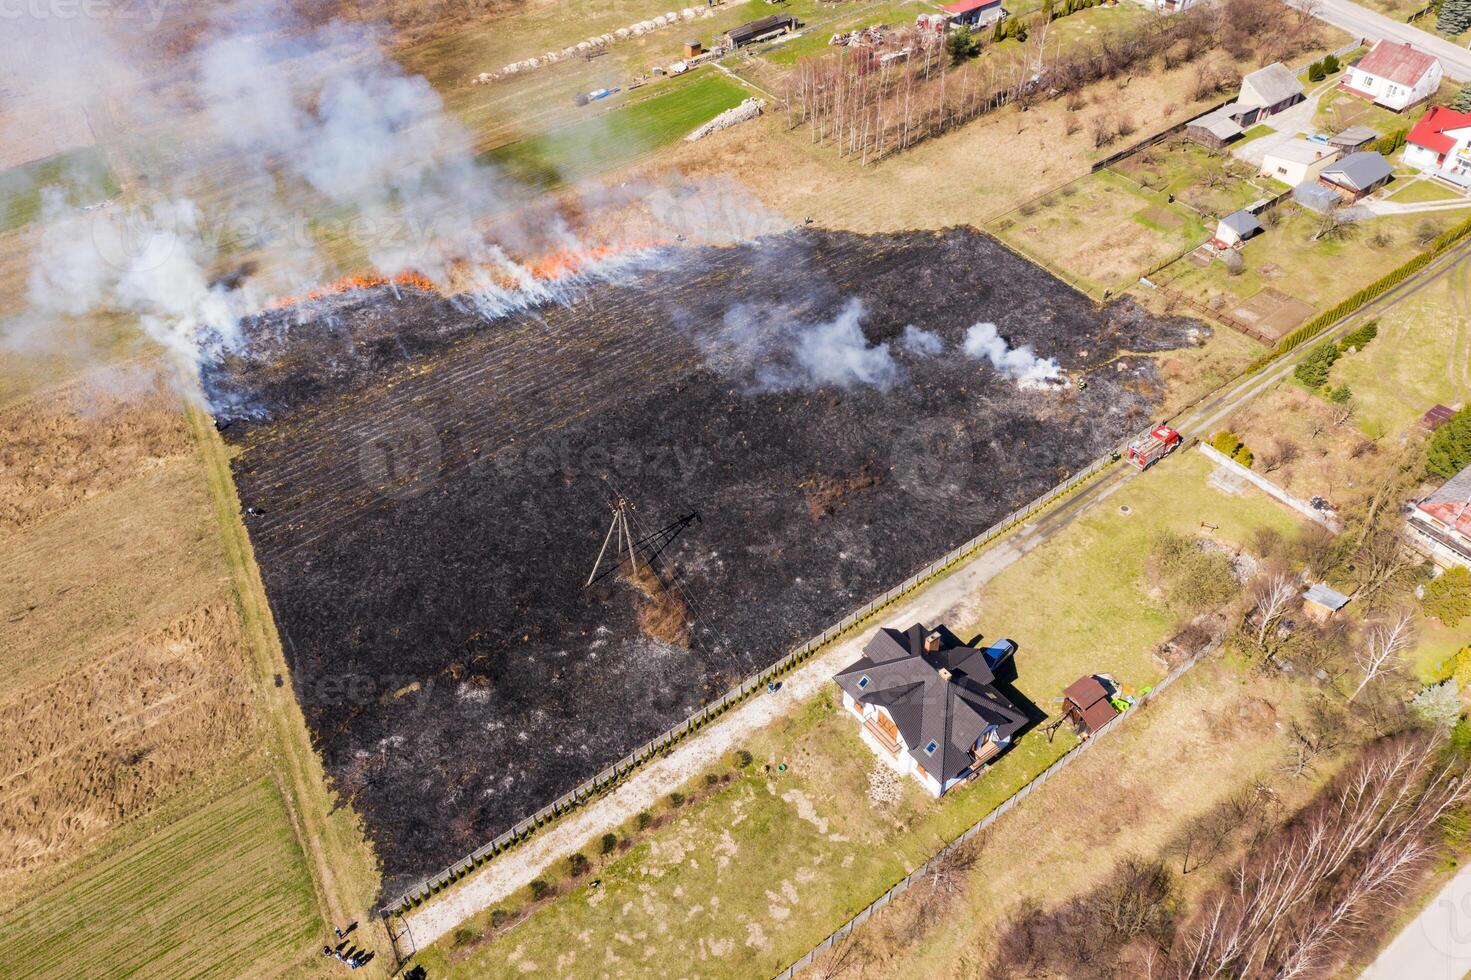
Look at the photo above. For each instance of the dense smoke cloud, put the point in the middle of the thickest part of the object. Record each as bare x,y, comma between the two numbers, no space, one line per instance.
983,342
772,352
294,138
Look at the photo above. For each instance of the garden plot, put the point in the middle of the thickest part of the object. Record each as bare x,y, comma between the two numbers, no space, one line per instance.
1104,229
432,491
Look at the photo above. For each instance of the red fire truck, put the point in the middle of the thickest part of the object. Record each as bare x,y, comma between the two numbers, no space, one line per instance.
1148,450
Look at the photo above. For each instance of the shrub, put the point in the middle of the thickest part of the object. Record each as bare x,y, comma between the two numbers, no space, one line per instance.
1359,339
1313,371
743,758
609,843
1225,442
1391,142
1449,451
1243,455
463,936
643,820
961,45
1315,72
676,800
1340,395
1439,704
1195,578
539,889
499,917
1448,597
1331,64
577,865
711,778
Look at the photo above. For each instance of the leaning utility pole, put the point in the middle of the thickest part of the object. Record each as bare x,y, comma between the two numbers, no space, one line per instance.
619,526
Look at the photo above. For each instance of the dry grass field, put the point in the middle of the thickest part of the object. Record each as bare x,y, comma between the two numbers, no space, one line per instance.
151,819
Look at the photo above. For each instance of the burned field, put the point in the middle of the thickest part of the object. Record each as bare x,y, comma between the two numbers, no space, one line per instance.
428,492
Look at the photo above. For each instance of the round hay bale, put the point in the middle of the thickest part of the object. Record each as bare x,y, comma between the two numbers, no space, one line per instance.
688,13
622,33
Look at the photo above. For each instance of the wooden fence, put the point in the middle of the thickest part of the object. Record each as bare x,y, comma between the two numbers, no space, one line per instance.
753,684
918,874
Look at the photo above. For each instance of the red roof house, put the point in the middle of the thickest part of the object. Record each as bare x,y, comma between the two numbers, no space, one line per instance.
1441,523
1439,140
1394,75
972,12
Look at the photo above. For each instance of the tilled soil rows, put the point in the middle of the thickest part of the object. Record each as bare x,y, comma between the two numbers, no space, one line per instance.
428,491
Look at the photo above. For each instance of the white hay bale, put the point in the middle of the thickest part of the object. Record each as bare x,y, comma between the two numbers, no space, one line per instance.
622,33
606,38
749,109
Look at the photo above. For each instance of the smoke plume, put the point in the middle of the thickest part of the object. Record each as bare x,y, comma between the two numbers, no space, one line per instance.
772,352
983,342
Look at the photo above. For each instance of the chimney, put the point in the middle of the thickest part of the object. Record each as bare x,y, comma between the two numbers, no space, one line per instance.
932,642
944,673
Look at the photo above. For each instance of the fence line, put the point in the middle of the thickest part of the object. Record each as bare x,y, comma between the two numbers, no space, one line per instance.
615,773
918,874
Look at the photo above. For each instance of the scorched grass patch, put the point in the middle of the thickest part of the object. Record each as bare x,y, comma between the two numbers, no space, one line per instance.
431,489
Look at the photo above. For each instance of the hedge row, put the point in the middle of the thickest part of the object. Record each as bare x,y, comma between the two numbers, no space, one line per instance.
1370,292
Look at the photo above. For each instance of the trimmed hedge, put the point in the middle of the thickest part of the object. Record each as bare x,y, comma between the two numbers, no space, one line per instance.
1370,292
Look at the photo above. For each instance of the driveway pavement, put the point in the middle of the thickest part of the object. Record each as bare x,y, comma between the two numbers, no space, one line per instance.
1372,26
1289,125
1436,945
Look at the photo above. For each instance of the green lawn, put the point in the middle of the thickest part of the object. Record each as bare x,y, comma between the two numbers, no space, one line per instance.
87,180
742,882
222,892
1320,272
615,138
1208,182
1254,133
1421,356
1420,191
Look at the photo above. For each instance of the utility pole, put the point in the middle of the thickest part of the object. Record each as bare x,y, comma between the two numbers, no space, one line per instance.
619,526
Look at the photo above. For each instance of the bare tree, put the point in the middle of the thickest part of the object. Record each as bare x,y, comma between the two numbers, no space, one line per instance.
1274,595
1382,644
1299,896
1335,224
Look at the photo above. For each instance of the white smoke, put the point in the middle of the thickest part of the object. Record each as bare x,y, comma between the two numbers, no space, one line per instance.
920,342
774,353
325,148
983,342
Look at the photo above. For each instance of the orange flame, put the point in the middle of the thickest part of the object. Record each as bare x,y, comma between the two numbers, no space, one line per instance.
350,283
551,267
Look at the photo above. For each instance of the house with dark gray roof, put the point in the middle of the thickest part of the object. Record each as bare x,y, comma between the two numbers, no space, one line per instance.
927,704
1356,175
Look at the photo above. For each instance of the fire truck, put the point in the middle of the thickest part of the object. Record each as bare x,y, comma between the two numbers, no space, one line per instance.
1148,450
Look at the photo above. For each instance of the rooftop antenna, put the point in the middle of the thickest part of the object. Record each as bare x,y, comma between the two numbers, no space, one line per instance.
626,546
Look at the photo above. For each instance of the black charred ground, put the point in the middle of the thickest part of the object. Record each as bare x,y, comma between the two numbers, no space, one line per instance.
433,489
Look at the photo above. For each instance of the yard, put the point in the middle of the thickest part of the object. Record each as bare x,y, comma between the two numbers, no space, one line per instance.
1288,275
1424,190
705,871
1211,184
1102,230
1422,356
1338,110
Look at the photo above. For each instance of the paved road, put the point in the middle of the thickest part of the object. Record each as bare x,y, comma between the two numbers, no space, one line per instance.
1436,945
1372,26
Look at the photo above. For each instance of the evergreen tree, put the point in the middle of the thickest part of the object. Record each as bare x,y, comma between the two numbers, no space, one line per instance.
1455,17
961,44
1450,447
1462,101
1330,64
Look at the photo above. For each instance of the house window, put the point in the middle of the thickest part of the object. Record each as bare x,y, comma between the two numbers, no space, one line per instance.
1282,170
862,682
930,748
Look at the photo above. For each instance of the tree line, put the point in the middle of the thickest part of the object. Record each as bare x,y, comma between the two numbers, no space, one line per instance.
869,102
